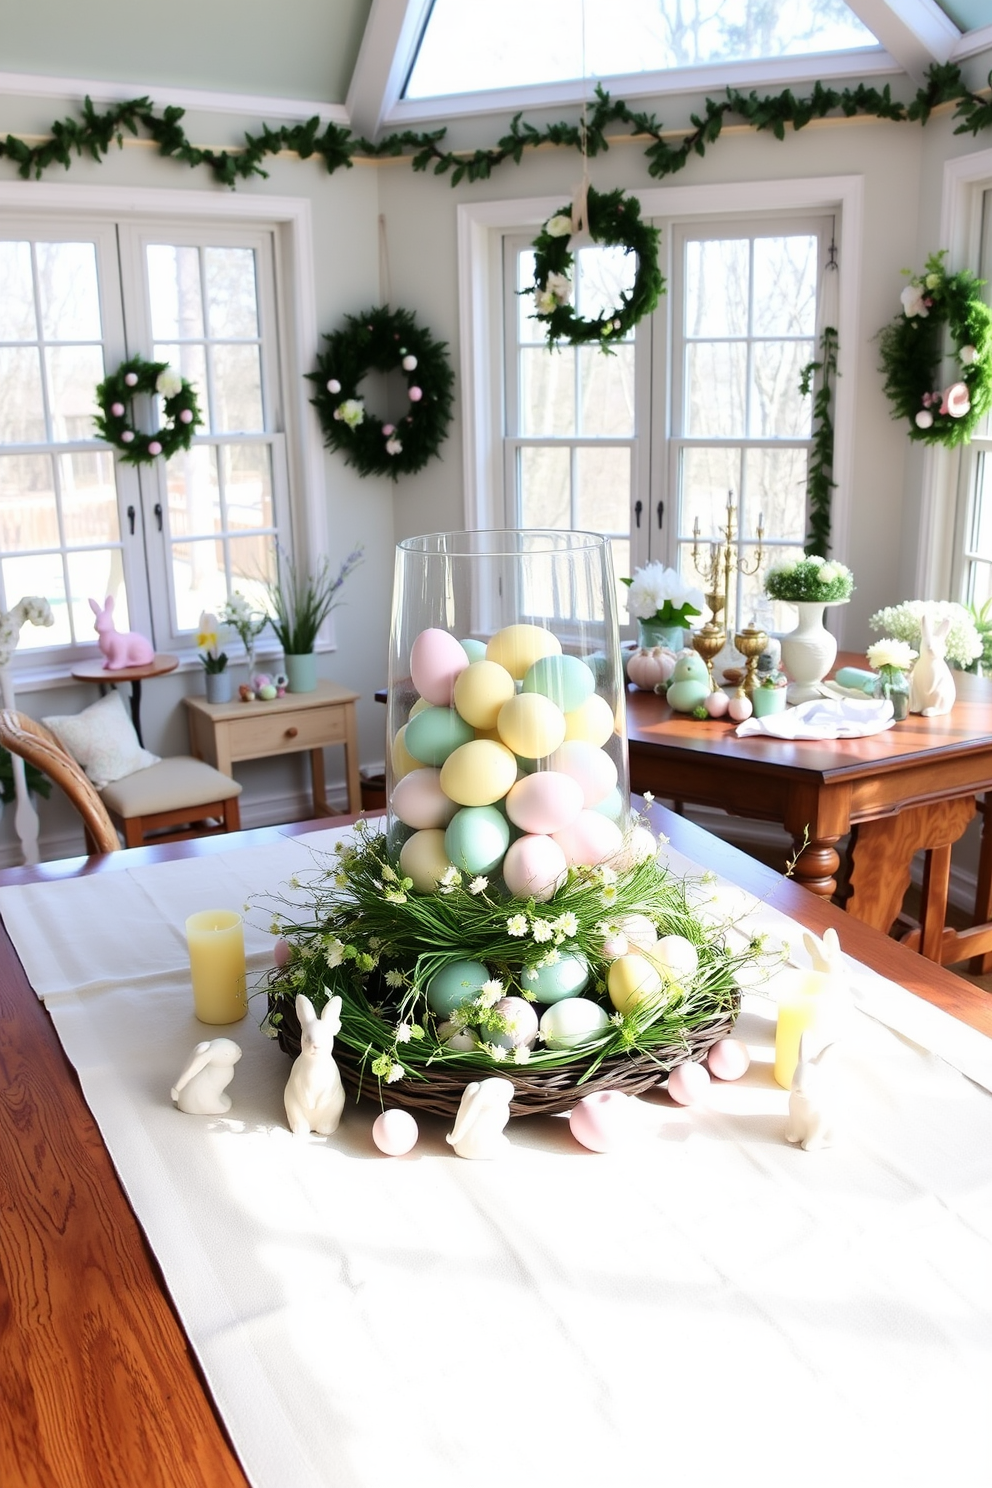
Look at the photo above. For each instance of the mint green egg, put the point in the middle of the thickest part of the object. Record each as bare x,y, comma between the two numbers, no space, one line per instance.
566,680
551,984
435,733
474,650
476,838
612,806
458,982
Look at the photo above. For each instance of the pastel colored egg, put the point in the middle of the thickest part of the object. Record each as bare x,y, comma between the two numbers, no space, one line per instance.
716,704
688,1083
476,838
551,984
423,858
603,1121
675,956
640,846
395,1132
574,1021
458,982
436,658
521,1031
611,805
436,733
566,680
420,706
592,720
478,773
533,867
544,802
481,690
740,708
631,981
589,839
639,930
728,1059
419,801
282,952
615,945
531,725
401,758
517,647
474,650
590,766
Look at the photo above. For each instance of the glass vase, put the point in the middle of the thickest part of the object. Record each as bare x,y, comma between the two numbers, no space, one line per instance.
507,754
894,685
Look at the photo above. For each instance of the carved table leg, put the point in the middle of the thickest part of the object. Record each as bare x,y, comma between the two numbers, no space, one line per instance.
884,852
816,866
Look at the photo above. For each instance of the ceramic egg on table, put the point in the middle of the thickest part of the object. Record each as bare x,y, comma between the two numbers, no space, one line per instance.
688,1083
395,1132
603,1121
728,1059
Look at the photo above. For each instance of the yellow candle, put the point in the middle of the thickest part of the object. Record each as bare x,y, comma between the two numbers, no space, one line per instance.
805,1001
217,965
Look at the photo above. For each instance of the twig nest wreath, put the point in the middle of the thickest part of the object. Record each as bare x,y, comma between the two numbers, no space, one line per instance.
614,221
912,349
115,421
383,340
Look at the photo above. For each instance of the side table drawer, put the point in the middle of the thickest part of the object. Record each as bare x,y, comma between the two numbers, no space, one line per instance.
285,732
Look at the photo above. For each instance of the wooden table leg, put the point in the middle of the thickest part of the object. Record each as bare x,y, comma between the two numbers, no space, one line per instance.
320,806
982,965
816,865
351,759
883,857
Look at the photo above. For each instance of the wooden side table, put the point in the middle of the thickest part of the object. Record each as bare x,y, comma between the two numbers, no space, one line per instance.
97,671
223,733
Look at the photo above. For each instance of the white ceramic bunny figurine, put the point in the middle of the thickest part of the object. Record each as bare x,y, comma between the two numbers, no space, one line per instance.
931,685
811,1100
121,648
825,954
483,1112
314,1093
201,1089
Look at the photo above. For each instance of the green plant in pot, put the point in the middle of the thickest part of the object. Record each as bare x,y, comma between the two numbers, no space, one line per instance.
301,600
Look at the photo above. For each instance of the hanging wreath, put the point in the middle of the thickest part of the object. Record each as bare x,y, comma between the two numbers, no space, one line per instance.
115,421
911,352
614,222
383,340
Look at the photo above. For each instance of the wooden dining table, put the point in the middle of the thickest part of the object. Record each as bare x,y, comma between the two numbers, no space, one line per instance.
99,1385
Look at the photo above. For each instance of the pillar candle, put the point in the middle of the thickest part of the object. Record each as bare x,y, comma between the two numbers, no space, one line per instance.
806,1000
217,965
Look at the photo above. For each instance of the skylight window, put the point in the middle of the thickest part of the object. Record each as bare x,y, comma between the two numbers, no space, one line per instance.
472,45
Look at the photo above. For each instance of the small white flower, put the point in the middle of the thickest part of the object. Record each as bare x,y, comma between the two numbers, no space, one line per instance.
521,1054
560,286
967,356
395,979
334,955
609,894
541,930
450,878
567,924
648,798
478,885
516,925
891,653
393,446
351,412
913,299
168,383
496,1052
388,874
403,1031
559,226
490,992
396,1072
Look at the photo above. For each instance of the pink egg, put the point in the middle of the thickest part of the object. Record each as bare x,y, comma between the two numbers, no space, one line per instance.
590,766
436,659
717,704
688,1083
419,801
740,708
589,839
281,952
602,1121
395,1132
544,802
728,1059
535,866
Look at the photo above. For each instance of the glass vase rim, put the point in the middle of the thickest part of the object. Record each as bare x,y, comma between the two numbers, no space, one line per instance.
503,542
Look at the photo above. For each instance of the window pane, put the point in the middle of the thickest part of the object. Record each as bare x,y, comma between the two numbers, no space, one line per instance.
67,284
190,362
715,377
94,575
602,276
775,488
27,504
22,412
194,492
232,307
247,486
174,292
17,317
707,477
528,327
602,479
547,392
237,390
89,497
716,287
982,539
785,274
778,410
73,373
38,574
199,580
545,488
253,566
606,391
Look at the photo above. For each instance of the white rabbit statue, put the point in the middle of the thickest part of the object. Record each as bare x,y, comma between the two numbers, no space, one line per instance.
314,1093
201,1088
483,1112
931,685
811,1100
122,648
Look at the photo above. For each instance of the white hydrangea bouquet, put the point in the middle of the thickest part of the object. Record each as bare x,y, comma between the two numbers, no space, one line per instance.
902,623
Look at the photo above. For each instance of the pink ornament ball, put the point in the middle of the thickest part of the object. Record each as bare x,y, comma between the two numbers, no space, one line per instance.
415,394
117,409
728,1059
131,379
688,1083
333,385
154,448
127,436
186,416
281,952
388,429
602,1122
409,364
395,1132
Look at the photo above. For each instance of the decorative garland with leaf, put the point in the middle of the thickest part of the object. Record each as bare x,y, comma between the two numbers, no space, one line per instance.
615,222
911,350
115,421
383,340
819,481
96,133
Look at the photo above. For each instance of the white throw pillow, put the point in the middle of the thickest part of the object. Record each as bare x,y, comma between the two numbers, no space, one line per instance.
102,739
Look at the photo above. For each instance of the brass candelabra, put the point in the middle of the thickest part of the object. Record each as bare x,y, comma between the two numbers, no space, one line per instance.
724,559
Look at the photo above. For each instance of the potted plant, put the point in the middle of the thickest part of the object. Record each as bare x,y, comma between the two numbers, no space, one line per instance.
301,601
809,583
218,678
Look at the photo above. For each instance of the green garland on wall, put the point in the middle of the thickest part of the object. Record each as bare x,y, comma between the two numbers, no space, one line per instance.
94,133
819,480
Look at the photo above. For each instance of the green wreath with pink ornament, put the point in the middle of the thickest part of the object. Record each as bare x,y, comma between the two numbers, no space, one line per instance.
116,422
383,340
940,409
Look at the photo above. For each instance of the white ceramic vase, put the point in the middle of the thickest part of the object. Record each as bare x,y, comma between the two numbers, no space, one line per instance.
808,652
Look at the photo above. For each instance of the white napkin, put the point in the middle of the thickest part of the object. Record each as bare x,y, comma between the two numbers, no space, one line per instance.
824,718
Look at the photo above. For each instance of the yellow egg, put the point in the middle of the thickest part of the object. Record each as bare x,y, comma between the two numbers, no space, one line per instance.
423,858
478,773
418,707
517,647
480,691
531,725
592,720
403,761
630,981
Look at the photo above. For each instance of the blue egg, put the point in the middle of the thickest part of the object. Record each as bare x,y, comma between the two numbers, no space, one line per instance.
566,680
435,733
458,982
612,806
551,984
474,650
476,838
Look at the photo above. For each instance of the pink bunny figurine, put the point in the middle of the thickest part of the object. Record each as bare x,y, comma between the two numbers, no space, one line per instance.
931,686
121,648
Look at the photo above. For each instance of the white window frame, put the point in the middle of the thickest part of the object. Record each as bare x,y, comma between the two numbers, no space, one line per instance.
289,219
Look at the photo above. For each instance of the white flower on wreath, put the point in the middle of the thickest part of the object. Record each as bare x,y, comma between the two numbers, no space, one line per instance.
393,446
351,412
168,383
557,291
559,226
914,301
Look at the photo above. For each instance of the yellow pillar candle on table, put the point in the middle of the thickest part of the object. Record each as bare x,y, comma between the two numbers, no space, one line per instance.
806,1001
217,965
